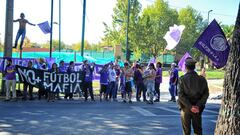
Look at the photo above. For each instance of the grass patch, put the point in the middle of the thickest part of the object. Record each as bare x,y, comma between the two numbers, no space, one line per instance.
211,74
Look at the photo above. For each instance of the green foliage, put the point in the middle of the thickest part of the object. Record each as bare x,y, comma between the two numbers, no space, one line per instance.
77,46
116,33
55,45
153,25
146,30
194,25
228,30
1,46
213,74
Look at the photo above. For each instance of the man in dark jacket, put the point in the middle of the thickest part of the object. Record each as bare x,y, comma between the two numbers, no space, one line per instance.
192,97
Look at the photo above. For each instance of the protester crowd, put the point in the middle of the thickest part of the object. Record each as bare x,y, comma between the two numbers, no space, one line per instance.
145,79
193,89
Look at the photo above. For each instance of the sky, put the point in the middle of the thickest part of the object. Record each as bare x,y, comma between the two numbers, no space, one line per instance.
98,11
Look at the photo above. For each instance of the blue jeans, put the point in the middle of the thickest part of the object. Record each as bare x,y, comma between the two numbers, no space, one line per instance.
172,91
21,32
111,90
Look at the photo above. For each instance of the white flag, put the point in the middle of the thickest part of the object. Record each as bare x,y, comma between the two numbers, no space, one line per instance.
173,36
45,27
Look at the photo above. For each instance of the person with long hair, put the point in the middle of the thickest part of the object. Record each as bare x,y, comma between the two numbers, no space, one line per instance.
10,78
150,82
51,94
138,79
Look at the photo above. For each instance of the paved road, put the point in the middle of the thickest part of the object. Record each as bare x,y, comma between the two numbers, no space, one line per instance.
96,118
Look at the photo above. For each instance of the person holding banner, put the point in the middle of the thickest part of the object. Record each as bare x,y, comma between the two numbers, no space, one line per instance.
22,30
61,69
71,68
192,97
42,91
51,95
87,83
10,77
28,86
103,81
173,82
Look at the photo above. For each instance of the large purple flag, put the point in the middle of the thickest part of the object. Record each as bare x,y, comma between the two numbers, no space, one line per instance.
45,27
181,63
213,43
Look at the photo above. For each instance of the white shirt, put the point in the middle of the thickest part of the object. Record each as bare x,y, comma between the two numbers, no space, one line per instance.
111,75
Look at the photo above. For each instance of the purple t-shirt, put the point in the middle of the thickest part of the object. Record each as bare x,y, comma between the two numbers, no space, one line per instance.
89,74
173,75
159,74
62,69
117,72
104,77
138,76
10,73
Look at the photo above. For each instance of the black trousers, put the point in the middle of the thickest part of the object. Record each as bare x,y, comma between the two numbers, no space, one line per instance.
140,89
87,87
25,87
157,90
70,95
188,119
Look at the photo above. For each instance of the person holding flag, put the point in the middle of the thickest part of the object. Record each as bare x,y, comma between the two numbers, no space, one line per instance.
22,30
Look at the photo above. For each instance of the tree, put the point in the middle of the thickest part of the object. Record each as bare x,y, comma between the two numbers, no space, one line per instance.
77,46
194,25
228,30
153,25
55,45
116,34
229,117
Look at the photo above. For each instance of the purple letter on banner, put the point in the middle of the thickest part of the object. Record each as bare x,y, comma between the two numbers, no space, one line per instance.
213,43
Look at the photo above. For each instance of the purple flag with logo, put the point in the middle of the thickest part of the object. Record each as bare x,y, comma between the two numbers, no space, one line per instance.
181,63
212,42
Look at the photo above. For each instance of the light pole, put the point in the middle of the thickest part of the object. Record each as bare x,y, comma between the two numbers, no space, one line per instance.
83,26
208,15
59,26
51,29
202,58
128,15
208,24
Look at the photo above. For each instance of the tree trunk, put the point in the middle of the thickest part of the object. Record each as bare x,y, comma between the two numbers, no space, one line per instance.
229,116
